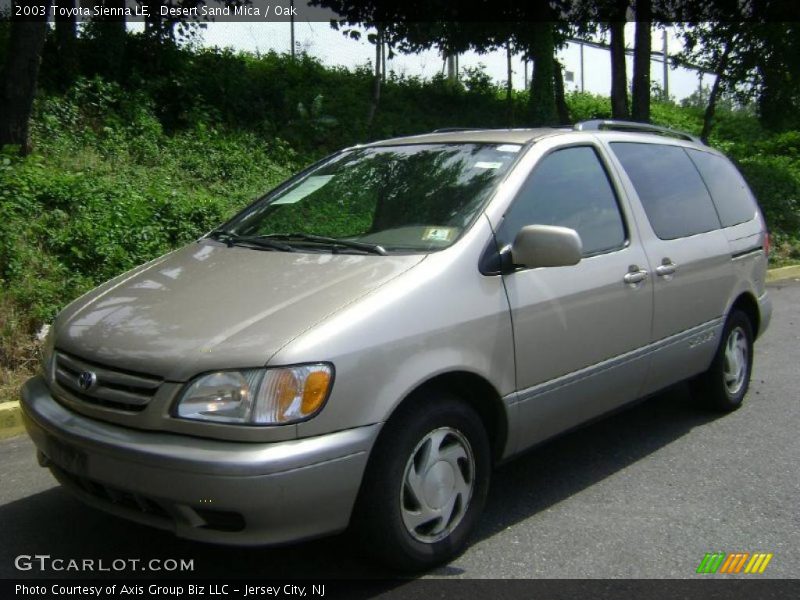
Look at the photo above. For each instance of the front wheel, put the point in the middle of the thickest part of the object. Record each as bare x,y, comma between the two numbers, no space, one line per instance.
425,485
725,383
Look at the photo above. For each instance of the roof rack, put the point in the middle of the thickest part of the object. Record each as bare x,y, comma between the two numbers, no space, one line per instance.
614,125
448,129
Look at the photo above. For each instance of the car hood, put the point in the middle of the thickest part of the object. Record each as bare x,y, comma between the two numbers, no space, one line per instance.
208,306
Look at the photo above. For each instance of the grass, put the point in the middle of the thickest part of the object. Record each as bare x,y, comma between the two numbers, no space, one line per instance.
18,351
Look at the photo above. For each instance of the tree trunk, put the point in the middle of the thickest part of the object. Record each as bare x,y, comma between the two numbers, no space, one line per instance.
776,106
619,78
376,81
111,31
641,62
509,87
20,74
66,39
711,107
561,101
542,103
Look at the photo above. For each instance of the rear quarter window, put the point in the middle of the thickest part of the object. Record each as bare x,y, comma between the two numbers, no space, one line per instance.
733,199
670,188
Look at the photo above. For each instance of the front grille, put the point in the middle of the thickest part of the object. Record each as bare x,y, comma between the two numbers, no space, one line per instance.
205,518
111,387
115,496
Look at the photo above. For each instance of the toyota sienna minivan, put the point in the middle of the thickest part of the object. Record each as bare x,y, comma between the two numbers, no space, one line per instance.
360,346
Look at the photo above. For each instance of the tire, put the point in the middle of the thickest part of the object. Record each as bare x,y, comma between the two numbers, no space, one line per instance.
425,485
724,385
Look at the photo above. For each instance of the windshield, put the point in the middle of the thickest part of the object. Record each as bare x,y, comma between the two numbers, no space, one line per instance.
417,197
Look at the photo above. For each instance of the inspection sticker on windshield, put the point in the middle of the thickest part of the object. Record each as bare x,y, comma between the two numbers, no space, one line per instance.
438,234
513,148
308,187
488,165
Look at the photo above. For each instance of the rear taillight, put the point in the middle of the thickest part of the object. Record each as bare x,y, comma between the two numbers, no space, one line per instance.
765,243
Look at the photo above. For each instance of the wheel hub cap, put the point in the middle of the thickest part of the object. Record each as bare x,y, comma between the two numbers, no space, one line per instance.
735,367
438,482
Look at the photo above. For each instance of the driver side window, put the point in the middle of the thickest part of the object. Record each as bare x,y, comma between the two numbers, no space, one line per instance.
569,188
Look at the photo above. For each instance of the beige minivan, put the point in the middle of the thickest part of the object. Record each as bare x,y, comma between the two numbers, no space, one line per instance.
361,345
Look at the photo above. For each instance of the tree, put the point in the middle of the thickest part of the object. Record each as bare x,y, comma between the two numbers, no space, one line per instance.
619,76
778,72
534,28
751,60
19,78
542,102
66,42
110,30
562,109
713,96
609,16
379,41
754,53
640,109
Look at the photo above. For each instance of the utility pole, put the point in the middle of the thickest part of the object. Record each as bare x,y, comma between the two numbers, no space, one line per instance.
580,44
451,66
291,27
383,60
665,50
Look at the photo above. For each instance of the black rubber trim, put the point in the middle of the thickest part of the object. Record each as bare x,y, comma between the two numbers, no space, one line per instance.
746,252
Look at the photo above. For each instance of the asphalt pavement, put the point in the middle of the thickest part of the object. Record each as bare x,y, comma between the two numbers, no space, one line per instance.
644,493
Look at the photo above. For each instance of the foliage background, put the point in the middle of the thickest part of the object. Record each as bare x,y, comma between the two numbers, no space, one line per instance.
127,167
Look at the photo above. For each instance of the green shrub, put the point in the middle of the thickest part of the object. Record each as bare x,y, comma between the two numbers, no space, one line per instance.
775,180
584,106
108,190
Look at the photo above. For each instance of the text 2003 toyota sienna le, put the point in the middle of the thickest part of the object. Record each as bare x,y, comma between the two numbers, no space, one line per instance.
362,344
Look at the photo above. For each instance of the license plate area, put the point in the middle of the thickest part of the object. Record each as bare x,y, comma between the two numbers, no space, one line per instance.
66,456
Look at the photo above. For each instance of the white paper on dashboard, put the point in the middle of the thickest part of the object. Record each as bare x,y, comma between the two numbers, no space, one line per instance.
308,187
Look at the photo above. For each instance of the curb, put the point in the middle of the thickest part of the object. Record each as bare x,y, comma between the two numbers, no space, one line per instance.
783,273
11,413
10,419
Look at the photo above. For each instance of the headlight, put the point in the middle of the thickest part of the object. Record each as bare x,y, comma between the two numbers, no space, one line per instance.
257,396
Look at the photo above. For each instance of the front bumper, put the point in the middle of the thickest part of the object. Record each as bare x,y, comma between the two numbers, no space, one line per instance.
209,490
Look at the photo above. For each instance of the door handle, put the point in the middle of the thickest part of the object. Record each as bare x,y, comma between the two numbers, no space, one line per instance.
634,275
667,267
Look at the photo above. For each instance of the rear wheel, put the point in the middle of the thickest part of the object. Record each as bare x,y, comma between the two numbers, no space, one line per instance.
725,383
426,484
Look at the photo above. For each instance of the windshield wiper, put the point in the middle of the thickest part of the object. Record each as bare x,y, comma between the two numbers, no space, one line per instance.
321,239
232,239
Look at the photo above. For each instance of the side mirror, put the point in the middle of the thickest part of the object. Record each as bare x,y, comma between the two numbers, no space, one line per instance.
546,246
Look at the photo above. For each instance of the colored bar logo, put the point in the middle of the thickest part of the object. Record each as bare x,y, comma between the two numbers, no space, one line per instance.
735,562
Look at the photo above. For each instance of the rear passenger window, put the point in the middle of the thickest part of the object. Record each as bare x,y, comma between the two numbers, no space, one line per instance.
569,188
728,189
673,195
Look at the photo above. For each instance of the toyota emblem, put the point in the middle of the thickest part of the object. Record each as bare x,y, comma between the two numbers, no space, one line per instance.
87,380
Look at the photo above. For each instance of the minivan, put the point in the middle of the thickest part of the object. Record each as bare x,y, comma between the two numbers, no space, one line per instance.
360,346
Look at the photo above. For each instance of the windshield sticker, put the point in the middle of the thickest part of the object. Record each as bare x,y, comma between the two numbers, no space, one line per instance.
308,187
488,165
438,234
513,148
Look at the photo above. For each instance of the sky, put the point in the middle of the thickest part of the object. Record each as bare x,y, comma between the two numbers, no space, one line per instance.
333,48
317,38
